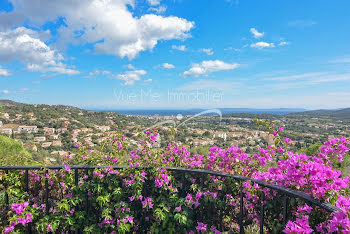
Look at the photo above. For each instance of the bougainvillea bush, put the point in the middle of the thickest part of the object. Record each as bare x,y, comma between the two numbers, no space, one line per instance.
137,192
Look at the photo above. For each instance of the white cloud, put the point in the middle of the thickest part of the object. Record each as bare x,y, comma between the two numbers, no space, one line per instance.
208,51
256,33
130,77
158,10
168,66
262,44
4,72
283,43
130,66
180,47
24,45
109,25
97,72
148,81
209,66
5,91
154,2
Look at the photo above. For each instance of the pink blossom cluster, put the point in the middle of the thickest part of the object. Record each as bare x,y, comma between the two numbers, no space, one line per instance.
18,208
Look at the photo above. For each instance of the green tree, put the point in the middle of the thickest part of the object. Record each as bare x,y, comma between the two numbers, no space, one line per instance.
13,153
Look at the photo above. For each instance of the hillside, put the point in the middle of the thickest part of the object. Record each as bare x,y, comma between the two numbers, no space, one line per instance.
10,103
334,114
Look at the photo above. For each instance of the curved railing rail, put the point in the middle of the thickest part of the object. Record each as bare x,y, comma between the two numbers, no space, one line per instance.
285,192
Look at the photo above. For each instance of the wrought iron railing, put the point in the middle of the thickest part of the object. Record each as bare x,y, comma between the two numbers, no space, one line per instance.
285,194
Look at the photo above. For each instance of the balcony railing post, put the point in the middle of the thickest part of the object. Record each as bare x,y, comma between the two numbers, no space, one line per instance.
76,174
262,212
6,194
26,181
87,194
183,178
285,209
202,188
47,194
241,195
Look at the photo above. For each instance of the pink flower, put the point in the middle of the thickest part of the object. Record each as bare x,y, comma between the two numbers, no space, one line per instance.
66,167
201,227
9,229
130,219
178,208
287,140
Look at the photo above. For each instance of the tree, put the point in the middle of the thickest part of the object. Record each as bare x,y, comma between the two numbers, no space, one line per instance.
13,153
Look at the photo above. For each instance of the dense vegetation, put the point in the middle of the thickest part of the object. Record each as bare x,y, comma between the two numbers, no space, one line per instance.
157,200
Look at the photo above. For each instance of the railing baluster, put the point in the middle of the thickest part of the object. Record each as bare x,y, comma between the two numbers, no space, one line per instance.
87,194
76,174
6,194
262,211
285,209
241,228
76,180
47,194
26,181
202,189
183,193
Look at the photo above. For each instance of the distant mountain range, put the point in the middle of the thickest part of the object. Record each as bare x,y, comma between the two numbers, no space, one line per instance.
337,114
10,103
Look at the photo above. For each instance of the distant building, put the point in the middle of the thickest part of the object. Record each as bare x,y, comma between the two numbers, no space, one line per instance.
40,139
57,143
5,115
101,139
61,130
222,135
60,153
54,137
89,144
86,130
7,131
103,128
203,142
29,129
46,144
49,131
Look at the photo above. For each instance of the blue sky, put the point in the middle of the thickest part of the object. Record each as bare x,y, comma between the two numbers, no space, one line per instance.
176,53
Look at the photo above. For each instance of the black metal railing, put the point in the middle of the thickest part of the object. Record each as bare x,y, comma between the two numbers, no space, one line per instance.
285,194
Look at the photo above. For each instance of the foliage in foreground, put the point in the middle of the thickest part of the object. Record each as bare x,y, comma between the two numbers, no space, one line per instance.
153,199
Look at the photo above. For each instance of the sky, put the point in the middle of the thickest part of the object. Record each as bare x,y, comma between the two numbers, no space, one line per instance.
131,54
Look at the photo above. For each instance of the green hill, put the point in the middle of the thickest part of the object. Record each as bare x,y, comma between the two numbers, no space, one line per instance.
334,114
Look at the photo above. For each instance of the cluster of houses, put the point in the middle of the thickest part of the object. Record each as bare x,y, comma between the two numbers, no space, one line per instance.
50,137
